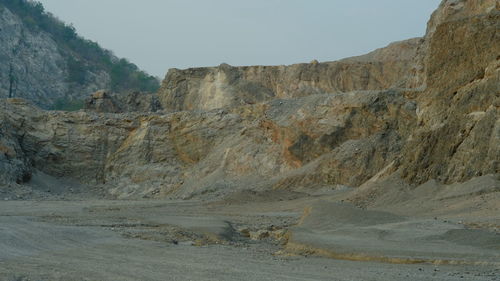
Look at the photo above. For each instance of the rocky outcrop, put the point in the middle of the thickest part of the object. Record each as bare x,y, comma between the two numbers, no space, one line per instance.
64,144
458,132
102,101
14,165
294,127
186,153
226,86
39,64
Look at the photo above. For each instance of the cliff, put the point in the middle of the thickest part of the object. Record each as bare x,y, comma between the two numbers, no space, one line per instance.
458,129
317,139
423,109
226,86
45,61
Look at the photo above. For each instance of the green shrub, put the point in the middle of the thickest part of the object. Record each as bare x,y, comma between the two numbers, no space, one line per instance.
76,71
125,76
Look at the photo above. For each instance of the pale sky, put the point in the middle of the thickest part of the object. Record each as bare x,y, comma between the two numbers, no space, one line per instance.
161,34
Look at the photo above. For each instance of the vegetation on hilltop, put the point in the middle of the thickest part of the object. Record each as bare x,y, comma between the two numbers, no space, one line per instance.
82,55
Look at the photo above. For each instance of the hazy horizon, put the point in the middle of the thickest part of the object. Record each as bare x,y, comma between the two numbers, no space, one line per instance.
161,34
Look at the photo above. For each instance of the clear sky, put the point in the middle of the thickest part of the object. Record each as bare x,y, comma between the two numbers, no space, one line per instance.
161,34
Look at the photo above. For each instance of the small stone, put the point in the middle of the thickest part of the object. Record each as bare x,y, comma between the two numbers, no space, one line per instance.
245,232
259,235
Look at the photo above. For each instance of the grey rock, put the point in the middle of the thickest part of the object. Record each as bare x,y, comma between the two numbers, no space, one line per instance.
102,101
39,65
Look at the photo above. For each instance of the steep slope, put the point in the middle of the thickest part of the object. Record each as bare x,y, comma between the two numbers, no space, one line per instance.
14,166
45,61
458,132
433,115
308,141
226,86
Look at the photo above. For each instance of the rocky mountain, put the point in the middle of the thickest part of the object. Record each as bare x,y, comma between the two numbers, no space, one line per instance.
424,109
225,86
45,61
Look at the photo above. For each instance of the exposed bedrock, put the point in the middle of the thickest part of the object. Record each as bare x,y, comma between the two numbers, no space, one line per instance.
226,86
427,109
187,152
103,101
458,130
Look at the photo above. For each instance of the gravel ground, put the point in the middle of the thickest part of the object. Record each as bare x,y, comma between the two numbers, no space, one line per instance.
166,240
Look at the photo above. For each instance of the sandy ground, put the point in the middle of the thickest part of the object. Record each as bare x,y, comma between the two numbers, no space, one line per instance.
340,230
192,240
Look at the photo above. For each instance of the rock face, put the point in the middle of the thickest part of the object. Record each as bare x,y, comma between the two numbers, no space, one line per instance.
426,109
226,86
14,165
34,65
305,141
37,64
103,101
458,132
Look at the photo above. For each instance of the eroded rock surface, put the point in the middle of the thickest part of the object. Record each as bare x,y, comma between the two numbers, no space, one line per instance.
424,108
14,166
458,132
226,86
44,61
188,152
38,66
103,101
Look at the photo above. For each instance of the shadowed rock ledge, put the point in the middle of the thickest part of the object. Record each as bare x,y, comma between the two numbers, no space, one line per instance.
103,101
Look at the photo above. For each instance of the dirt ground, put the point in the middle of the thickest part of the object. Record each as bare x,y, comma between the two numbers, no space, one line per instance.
273,235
